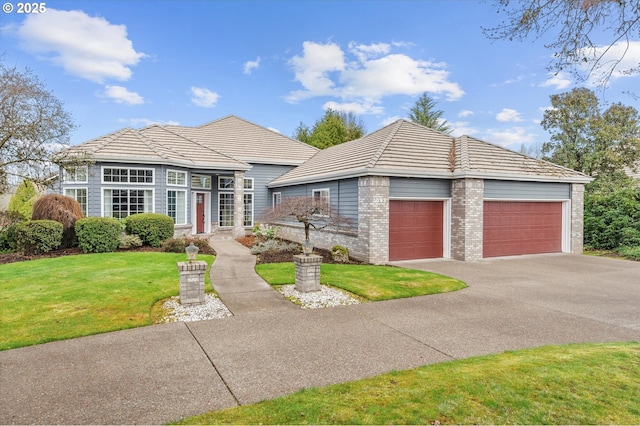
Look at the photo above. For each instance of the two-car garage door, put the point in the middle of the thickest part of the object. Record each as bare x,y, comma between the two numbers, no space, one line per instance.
516,227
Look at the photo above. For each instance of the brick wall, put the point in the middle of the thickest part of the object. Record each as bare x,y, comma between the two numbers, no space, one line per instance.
577,218
467,207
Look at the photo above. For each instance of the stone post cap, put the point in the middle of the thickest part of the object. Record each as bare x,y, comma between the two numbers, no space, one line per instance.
312,258
192,266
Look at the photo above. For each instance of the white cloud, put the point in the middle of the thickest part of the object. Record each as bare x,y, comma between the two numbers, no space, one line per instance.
147,122
465,113
249,66
390,120
204,97
558,81
460,128
85,46
512,136
355,107
624,56
370,73
508,115
122,96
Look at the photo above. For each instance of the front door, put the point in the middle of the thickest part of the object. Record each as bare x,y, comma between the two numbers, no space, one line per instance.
200,216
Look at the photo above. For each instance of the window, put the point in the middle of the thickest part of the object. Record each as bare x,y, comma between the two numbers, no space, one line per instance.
277,199
127,175
248,209
80,195
120,203
321,198
225,209
200,182
248,184
177,178
225,183
177,206
75,175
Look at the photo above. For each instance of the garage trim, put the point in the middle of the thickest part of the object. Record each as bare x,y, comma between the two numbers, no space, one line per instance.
566,215
446,221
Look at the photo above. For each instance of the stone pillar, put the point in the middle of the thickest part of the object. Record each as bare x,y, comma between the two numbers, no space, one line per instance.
373,217
577,218
192,282
467,210
238,204
307,272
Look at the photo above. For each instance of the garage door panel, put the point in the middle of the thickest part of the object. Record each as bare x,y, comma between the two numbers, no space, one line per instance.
415,229
512,228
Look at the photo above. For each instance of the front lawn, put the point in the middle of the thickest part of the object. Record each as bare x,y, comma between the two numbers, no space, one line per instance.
71,296
573,384
369,281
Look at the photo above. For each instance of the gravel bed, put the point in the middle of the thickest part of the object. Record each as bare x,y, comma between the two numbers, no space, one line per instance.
213,308
325,298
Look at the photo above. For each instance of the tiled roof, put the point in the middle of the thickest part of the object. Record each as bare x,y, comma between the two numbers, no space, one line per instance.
229,143
404,148
247,142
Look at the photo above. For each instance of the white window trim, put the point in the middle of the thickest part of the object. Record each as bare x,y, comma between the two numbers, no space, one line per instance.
65,175
252,184
220,194
201,176
120,188
328,191
186,210
253,203
220,188
75,188
153,177
273,199
183,185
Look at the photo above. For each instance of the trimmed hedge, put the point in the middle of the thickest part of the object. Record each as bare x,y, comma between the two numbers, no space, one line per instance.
152,228
179,244
38,236
612,220
98,234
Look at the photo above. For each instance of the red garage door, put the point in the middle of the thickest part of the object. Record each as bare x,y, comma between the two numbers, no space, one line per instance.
415,229
512,228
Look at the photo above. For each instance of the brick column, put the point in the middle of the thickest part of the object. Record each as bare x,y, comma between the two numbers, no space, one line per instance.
238,204
467,209
192,282
373,217
577,218
307,272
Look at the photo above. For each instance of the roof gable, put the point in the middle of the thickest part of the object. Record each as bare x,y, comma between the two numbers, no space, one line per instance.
404,148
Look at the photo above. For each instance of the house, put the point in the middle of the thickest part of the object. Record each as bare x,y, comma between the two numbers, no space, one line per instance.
410,192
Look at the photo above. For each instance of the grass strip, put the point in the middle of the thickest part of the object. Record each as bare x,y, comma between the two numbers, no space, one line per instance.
573,384
372,282
60,298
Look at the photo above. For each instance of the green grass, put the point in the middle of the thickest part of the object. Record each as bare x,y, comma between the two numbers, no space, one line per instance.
72,296
629,253
632,253
369,281
574,384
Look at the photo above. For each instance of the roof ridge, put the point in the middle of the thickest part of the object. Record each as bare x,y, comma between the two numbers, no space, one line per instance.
157,147
202,145
383,146
464,152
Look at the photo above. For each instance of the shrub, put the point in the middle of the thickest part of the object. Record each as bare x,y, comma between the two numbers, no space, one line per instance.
630,252
340,254
9,221
60,208
179,244
612,220
98,234
152,228
273,245
38,236
265,231
21,202
129,241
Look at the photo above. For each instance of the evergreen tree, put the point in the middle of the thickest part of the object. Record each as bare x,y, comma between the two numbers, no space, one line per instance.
424,112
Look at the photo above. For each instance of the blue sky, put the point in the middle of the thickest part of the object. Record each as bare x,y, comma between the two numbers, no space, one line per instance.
119,64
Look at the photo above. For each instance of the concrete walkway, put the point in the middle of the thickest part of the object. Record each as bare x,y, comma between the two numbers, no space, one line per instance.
234,277
162,373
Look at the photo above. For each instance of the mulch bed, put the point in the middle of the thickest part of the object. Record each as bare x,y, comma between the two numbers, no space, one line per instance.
280,256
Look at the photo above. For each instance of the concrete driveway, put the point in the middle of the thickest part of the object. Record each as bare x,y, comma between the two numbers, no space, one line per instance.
165,372
597,288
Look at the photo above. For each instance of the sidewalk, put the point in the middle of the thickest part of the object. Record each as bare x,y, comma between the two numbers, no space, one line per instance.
238,285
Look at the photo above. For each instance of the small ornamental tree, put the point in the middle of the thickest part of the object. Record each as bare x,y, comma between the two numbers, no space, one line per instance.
312,212
60,208
22,200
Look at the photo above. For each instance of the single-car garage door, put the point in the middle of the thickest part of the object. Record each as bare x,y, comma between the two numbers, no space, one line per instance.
512,228
415,229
